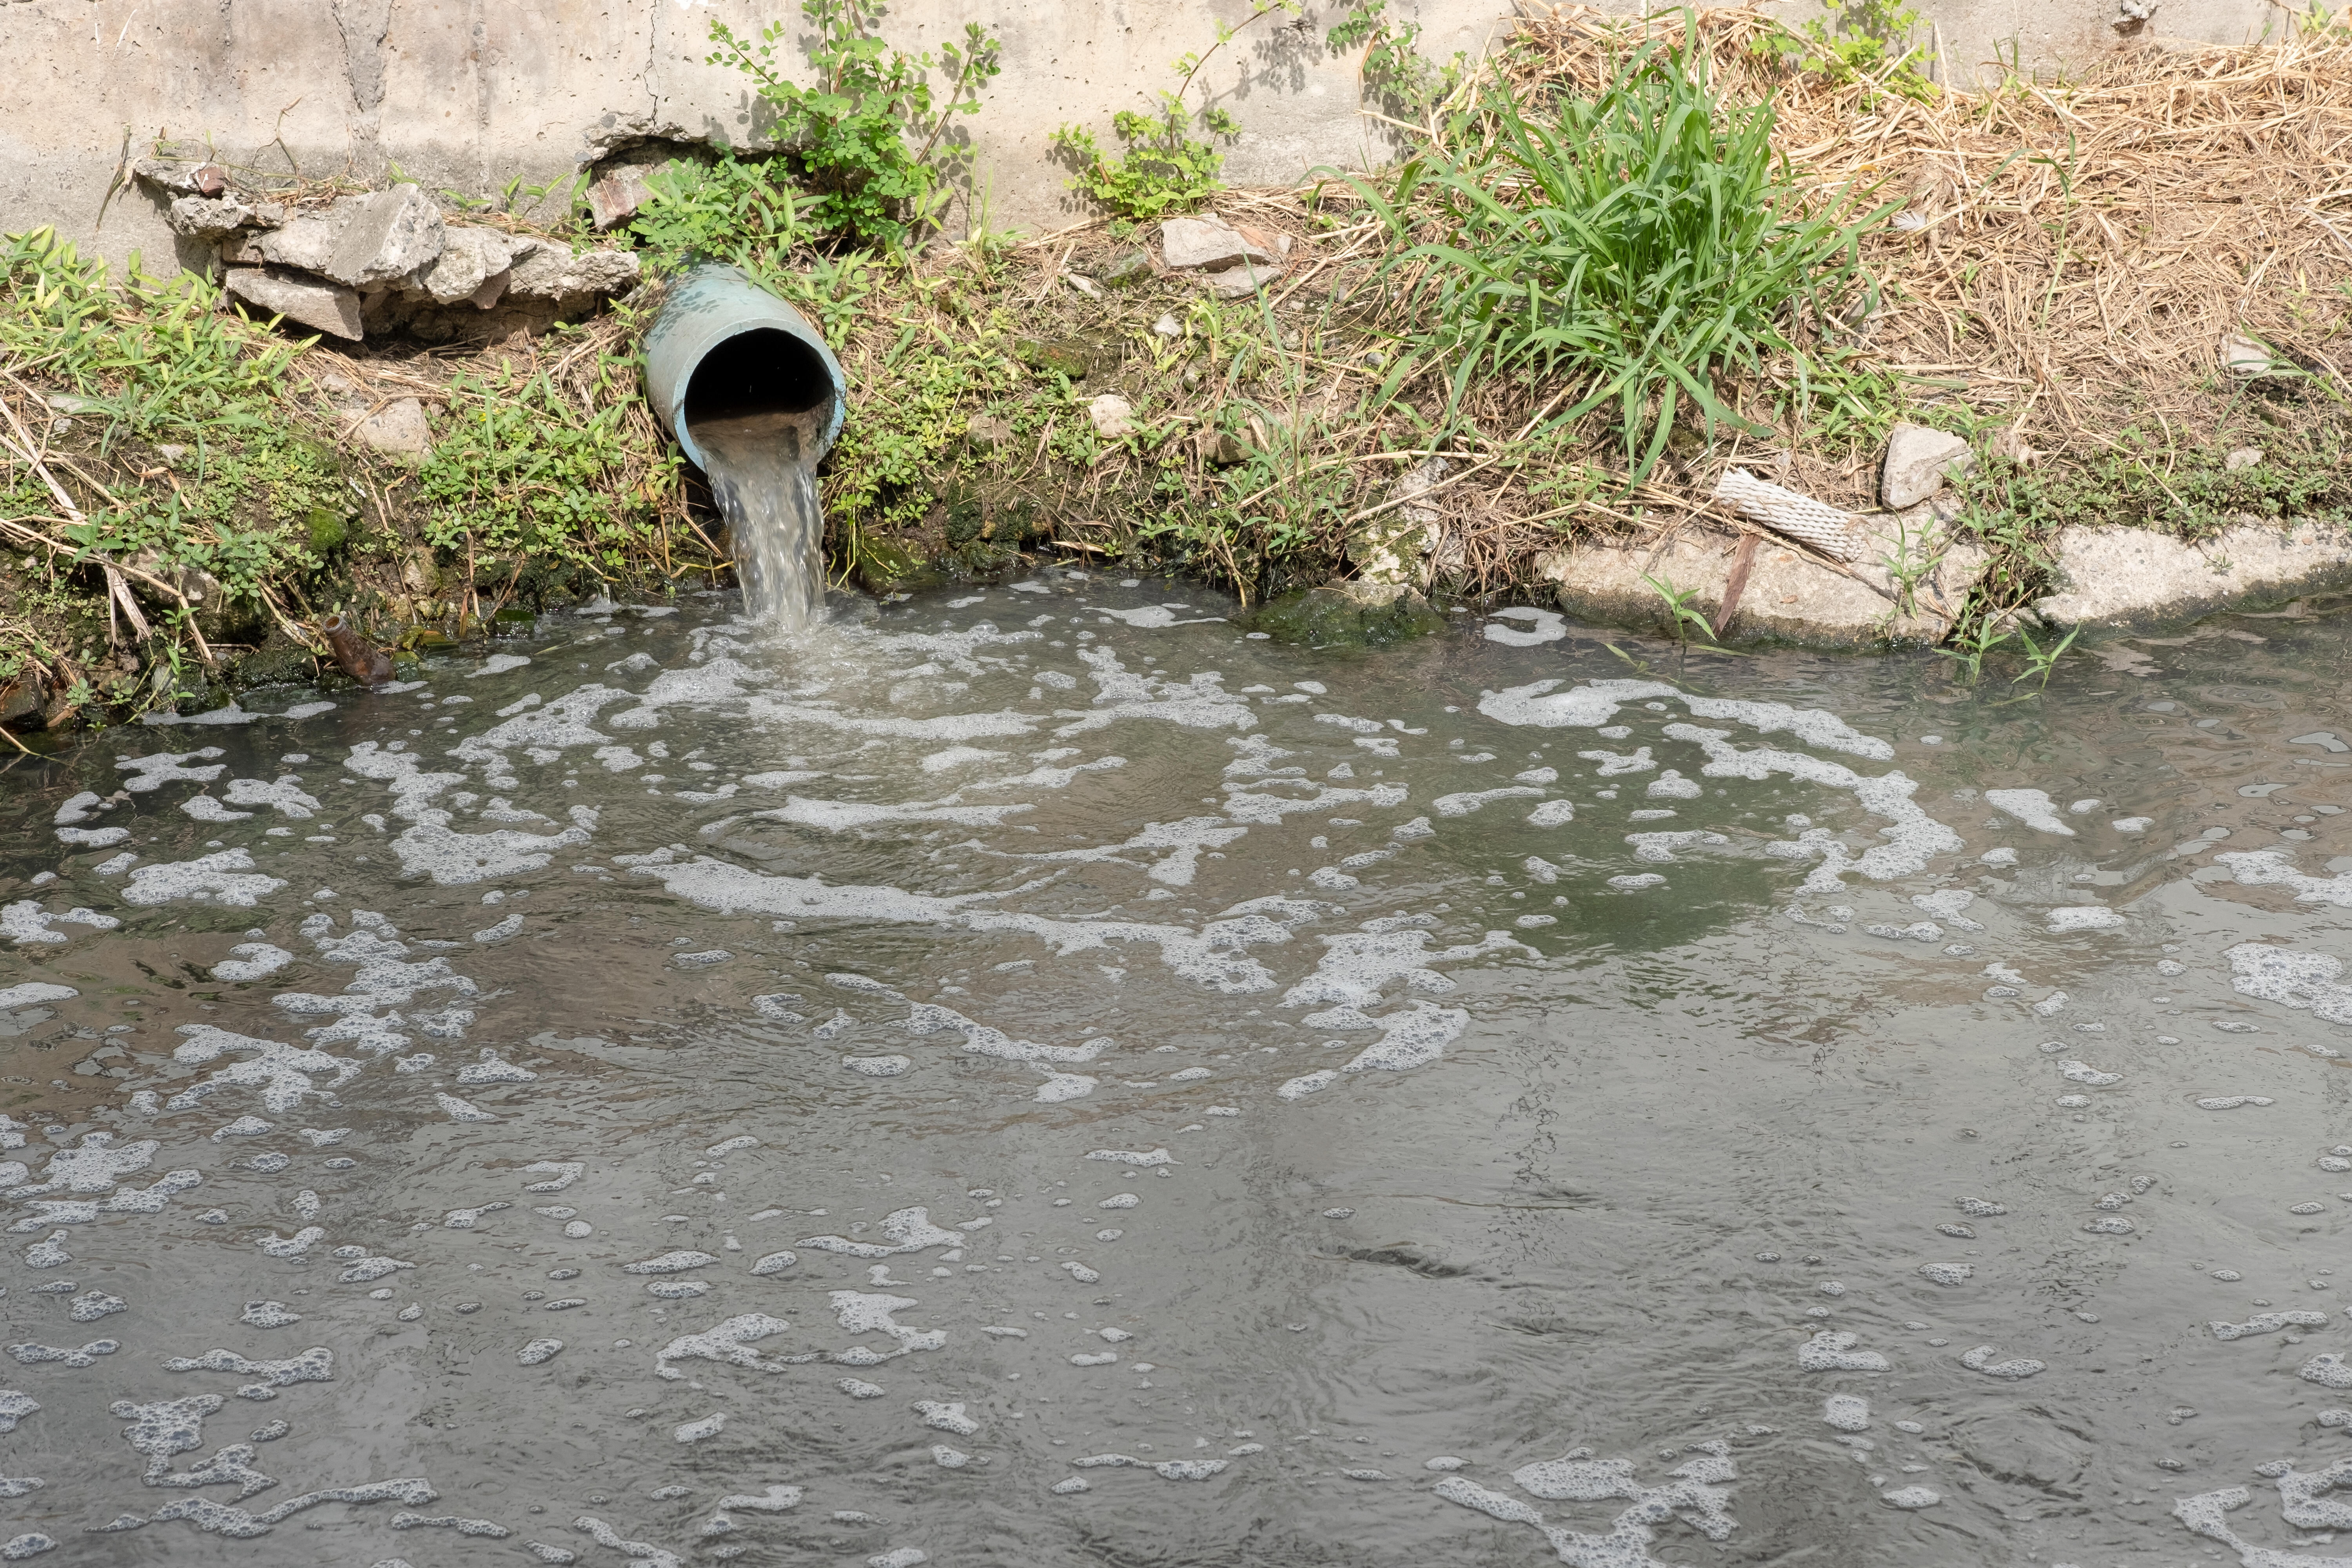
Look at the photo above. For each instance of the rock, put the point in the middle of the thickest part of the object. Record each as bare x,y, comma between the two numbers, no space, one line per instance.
323,307
22,699
1787,598
1135,266
397,430
1391,548
387,235
181,177
987,432
173,455
1168,327
471,261
1225,449
217,217
615,198
306,241
1918,460
1083,284
543,269
1208,243
281,663
2243,356
2244,457
1350,614
418,574
1112,416
1239,282
2134,577
201,586
1073,357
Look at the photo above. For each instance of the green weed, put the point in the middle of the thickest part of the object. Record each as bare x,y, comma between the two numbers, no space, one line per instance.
1162,167
1642,244
862,140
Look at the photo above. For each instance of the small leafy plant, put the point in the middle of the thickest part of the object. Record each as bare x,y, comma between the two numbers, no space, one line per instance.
1162,166
1857,41
1393,67
1684,614
862,138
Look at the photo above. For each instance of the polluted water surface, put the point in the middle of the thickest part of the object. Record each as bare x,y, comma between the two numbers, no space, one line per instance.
1046,1077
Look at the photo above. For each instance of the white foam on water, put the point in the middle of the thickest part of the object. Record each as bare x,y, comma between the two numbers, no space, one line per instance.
27,921
1464,805
2087,917
2032,807
1409,1039
1543,626
252,960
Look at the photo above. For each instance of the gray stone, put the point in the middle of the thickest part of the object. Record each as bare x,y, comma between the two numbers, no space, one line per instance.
397,430
1112,416
469,259
2132,576
544,269
1349,615
2243,356
211,218
2244,457
1789,597
323,307
1392,547
306,241
1918,461
181,177
1208,243
386,236
1239,282
987,432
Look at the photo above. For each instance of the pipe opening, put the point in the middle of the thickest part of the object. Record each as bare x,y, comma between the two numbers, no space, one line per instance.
764,371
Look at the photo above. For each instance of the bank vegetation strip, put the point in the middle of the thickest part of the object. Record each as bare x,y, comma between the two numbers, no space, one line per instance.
1608,263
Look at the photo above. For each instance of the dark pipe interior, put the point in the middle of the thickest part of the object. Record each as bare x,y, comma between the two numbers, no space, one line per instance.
761,371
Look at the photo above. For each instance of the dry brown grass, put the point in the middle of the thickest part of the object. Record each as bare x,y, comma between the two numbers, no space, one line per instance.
2082,248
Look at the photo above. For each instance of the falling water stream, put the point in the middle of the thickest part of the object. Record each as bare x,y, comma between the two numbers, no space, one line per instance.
1042,1078
765,490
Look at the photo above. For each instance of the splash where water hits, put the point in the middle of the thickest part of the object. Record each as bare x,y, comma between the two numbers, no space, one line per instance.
1046,1078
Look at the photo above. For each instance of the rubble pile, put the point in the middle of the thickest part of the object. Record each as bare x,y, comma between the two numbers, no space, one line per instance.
359,266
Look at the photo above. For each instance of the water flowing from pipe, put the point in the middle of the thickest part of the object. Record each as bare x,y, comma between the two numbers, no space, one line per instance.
765,486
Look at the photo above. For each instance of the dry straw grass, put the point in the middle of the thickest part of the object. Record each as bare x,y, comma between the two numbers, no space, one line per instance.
2076,251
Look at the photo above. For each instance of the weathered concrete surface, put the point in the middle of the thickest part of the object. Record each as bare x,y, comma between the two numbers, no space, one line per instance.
468,94
2129,577
1788,597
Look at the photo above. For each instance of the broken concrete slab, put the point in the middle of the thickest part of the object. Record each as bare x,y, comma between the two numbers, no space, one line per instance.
217,217
387,235
181,177
1918,461
544,269
2133,577
398,429
306,241
323,307
1788,597
1239,282
469,259
1208,243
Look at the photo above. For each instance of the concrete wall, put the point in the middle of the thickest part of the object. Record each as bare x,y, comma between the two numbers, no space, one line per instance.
469,94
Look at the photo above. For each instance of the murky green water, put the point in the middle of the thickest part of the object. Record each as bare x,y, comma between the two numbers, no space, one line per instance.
1044,1080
